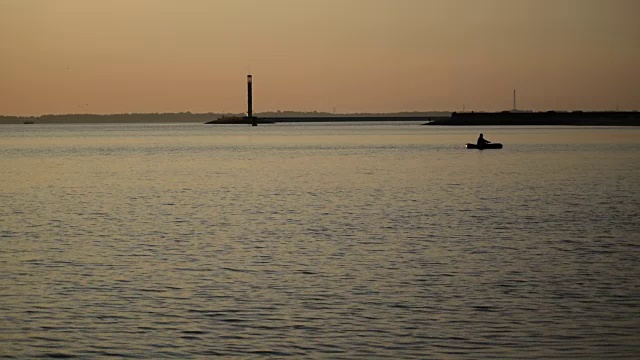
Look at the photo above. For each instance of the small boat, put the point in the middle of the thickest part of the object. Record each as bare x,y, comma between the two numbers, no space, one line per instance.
485,146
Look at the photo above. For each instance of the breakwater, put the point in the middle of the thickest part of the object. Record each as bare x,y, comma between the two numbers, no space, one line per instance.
301,119
350,118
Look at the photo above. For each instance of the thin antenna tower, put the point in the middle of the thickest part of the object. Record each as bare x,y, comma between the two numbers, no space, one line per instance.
514,100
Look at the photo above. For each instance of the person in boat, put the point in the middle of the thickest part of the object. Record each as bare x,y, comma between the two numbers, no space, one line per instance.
482,141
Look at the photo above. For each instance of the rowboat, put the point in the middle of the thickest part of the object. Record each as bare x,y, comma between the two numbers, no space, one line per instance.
485,146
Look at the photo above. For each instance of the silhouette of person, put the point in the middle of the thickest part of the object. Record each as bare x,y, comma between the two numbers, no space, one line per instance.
482,141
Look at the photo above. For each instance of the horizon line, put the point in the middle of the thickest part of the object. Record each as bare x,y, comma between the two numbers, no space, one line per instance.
327,113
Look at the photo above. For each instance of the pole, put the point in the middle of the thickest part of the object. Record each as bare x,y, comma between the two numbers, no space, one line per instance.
250,101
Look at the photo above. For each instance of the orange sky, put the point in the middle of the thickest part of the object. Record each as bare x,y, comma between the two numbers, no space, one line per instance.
117,56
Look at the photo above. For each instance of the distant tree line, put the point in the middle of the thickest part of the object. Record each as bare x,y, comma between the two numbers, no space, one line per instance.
114,118
184,117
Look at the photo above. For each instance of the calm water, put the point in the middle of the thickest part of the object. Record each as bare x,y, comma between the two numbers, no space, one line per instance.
319,241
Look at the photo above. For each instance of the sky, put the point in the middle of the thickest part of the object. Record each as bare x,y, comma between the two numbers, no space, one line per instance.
128,56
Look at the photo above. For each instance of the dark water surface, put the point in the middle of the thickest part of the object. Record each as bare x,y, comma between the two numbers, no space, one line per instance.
319,241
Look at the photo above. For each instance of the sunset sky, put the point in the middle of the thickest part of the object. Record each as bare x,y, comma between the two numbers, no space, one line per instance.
119,56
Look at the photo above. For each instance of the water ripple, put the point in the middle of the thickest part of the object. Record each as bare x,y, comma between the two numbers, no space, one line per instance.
351,249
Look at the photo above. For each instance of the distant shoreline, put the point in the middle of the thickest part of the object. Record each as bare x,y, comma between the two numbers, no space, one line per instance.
505,118
110,118
549,118
187,117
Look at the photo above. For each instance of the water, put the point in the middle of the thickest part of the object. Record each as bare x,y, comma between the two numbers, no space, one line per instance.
319,241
